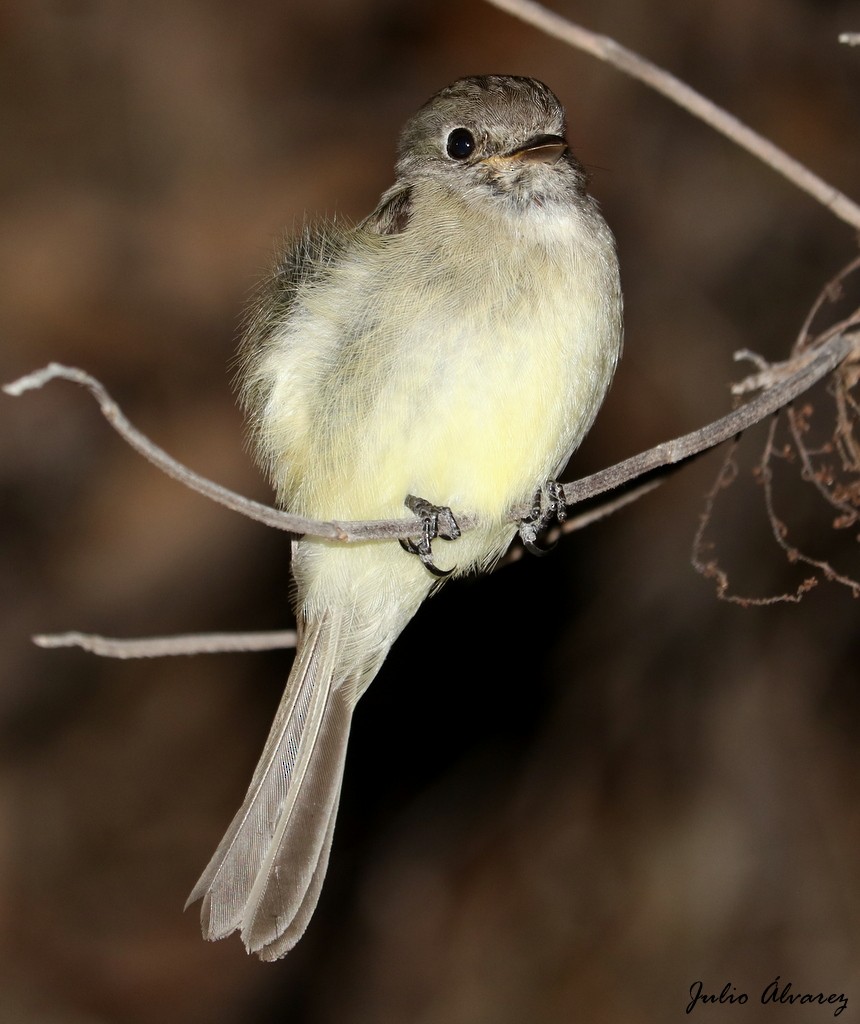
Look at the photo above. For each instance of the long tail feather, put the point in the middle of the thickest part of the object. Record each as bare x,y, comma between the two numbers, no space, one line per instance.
265,877
296,929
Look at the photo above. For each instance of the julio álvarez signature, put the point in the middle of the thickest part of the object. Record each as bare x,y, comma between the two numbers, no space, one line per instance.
777,992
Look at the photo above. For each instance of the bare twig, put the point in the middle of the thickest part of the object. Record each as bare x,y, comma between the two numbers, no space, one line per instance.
679,92
157,456
703,559
159,646
836,484
218,643
779,529
781,388
334,530
808,368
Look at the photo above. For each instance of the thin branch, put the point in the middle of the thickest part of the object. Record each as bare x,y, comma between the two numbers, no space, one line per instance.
159,458
794,377
805,372
159,646
347,531
679,92
219,643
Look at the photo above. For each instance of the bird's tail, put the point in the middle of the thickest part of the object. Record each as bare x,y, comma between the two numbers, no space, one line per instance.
264,879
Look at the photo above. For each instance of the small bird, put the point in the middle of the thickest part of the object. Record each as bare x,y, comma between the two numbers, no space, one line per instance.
449,352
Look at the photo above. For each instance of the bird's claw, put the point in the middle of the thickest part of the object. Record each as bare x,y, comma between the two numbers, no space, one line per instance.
436,521
549,504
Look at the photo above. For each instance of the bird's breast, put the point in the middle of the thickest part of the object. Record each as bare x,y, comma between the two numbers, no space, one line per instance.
460,365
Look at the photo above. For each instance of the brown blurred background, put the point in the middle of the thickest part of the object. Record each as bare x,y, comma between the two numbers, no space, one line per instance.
605,784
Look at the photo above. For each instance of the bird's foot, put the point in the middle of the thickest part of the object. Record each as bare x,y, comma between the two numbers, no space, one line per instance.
548,504
436,521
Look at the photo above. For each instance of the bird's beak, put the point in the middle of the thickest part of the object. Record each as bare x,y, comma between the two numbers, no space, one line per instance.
542,149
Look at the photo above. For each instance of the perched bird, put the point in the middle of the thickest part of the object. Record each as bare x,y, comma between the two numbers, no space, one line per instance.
453,349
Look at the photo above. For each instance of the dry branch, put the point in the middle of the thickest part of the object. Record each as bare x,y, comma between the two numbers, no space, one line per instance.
781,384
161,646
794,377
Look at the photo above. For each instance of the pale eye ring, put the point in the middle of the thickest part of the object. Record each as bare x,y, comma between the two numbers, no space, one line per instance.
460,144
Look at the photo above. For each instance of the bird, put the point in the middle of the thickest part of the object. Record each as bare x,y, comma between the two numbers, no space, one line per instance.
449,352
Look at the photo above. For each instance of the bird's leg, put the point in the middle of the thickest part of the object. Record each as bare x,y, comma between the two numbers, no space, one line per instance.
548,504
436,521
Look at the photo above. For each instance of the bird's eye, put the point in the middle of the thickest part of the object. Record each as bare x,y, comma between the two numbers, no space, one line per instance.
460,144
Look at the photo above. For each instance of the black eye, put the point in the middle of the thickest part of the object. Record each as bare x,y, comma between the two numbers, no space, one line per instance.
460,144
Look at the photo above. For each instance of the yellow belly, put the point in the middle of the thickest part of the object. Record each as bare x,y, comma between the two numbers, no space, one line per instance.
428,365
